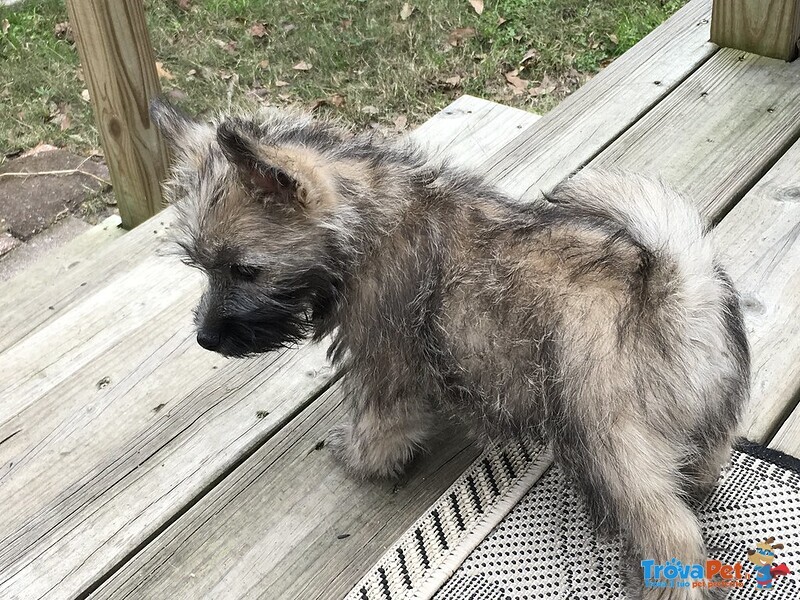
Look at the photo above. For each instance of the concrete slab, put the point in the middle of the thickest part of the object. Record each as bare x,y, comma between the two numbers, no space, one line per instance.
30,204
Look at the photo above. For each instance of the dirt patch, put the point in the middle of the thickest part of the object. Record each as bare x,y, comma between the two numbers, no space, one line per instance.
38,190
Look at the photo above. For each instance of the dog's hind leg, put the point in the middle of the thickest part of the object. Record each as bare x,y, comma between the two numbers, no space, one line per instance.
632,484
703,468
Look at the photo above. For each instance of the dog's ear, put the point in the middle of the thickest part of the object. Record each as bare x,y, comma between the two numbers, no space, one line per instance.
263,178
175,126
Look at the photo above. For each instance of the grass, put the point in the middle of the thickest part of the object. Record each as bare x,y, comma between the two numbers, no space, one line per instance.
368,65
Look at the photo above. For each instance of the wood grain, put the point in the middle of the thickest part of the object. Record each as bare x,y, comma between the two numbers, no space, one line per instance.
765,27
760,239
39,276
768,274
229,545
719,132
113,420
296,534
31,299
119,67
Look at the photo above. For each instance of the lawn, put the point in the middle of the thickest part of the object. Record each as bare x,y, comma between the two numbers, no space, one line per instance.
372,63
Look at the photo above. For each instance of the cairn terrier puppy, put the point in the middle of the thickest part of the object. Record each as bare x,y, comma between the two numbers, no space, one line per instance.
598,318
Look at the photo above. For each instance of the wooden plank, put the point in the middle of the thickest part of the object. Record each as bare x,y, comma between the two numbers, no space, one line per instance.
765,27
38,295
222,548
788,437
474,129
581,126
760,238
119,68
40,275
768,272
112,419
112,465
289,521
750,107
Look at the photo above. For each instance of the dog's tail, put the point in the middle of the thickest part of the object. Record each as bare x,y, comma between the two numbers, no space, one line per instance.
691,301
658,218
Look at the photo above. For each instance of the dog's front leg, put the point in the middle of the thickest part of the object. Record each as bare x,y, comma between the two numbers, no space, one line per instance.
384,430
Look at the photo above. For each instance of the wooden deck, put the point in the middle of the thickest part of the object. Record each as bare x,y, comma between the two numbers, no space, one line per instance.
133,464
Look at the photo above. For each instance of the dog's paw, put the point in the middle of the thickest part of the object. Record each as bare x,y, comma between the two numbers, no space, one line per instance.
367,459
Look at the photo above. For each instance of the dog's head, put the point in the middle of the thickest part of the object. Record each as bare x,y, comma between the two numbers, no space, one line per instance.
257,212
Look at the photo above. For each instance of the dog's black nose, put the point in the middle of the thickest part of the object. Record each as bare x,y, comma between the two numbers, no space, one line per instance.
210,340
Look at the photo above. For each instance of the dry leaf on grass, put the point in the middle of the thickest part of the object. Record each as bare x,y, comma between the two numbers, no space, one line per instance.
59,115
453,81
406,11
85,95
477,5
337,100
345,24
38,149
287,27
281,83
257,30
529,55
183,4
369,110
62,120
314,105
5,26
229,47
518,84
263,64
303,66
500,20
163,73
545,87
614,39
400,123
457,36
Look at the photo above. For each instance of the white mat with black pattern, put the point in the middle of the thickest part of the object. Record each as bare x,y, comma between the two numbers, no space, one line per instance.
513,528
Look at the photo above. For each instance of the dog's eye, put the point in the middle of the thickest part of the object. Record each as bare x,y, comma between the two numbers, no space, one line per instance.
245,272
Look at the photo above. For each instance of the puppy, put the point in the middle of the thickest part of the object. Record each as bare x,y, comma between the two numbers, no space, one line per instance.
598,318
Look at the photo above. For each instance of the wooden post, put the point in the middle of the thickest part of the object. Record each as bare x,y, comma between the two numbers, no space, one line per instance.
765,27
119,69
